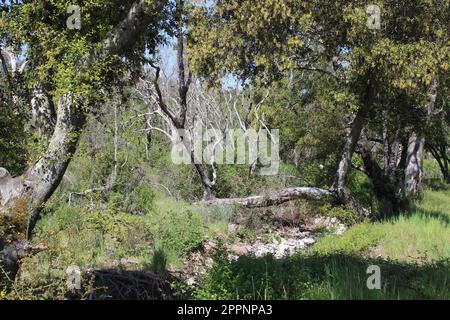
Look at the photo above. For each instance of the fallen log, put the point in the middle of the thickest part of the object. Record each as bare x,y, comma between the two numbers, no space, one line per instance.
276,198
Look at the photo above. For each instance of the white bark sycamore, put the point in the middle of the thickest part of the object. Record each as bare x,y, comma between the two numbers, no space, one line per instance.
414,164
416,146
339,192
44,177
39,182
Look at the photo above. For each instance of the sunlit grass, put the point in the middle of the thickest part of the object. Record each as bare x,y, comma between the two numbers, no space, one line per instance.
412,251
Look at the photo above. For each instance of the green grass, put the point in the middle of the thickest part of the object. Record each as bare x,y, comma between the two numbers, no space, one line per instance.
412,251
76,235
421,235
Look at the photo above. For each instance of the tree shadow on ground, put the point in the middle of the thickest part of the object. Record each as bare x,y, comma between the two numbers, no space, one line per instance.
438,215
118,284
335,276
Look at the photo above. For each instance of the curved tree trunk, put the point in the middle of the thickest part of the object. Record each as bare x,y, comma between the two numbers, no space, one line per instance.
43,113
440,153
276,198
384,181
416,146
26,195
23,198
414,164
46,175
339,191
208,185
185,78
340,182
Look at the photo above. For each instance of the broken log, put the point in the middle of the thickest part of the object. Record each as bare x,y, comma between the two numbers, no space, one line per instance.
276,198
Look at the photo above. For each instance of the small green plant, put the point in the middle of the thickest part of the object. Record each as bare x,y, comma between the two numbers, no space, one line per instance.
245,233
159,260
270,238
345,214
412,252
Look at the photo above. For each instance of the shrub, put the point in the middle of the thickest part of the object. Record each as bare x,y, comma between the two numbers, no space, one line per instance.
179,231
345,214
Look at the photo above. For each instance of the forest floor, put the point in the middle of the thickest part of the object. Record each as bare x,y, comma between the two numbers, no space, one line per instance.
178,251
412,252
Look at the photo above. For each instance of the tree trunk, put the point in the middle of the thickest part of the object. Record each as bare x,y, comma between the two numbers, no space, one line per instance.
340,183
43,111
206,182
414,164
443,162
184,83
384,181
415,152
28,194
289,194
439,153
208,185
